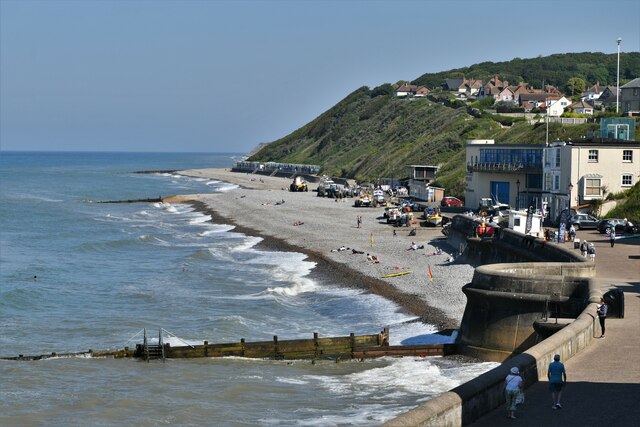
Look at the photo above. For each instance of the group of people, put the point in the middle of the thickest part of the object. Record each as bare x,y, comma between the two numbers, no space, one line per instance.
588,249
556,374
514,385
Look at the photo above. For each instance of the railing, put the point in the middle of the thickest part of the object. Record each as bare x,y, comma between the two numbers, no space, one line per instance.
512,167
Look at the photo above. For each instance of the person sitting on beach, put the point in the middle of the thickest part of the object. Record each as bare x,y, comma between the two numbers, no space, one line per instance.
413,247
369,257
376,259
298,222
353,251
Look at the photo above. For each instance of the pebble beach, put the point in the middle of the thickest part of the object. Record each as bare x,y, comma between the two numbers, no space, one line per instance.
328,234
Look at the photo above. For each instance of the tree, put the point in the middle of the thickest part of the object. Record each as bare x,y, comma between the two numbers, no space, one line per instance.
576,84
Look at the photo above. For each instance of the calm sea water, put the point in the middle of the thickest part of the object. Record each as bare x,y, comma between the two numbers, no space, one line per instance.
106,271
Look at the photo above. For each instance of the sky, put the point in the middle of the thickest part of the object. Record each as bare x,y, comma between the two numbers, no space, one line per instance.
224,76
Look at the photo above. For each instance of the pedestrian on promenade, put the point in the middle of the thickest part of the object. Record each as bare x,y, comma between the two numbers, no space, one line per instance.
602,314
572,233
583,248
557,379
612,236
591,251
512,388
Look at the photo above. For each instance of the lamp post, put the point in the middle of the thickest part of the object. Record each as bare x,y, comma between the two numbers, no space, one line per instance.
570,188
618,77
518,194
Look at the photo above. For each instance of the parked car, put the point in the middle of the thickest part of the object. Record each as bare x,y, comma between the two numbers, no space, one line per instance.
621,226
451,201
583,221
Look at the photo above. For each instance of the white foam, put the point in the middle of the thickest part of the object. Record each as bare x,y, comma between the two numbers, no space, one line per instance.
200,219
215,229
248,243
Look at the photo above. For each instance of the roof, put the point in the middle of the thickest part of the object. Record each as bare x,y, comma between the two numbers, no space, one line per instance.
581,104
538,97
632,84
453,83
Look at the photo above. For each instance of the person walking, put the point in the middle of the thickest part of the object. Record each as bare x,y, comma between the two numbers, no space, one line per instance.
602,314
591,251
557,376
512,388
359,220
583,248
612,236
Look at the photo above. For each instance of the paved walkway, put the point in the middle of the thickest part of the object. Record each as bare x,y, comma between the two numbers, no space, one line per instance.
603,380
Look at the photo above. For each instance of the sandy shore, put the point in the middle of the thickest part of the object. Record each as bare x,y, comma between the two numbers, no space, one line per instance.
262,206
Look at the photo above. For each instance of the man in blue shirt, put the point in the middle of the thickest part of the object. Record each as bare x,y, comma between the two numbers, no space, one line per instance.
557,378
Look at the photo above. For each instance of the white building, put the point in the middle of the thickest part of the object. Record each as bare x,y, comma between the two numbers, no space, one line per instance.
557,107
576,173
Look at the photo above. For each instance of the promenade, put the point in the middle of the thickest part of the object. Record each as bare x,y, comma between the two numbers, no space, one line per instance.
604,379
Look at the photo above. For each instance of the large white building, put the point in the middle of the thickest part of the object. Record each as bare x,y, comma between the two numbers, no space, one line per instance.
577,172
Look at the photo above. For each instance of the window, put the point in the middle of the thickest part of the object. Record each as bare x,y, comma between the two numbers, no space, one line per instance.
627,180
593,155
627,156
557,157
592,187
556,182
547,182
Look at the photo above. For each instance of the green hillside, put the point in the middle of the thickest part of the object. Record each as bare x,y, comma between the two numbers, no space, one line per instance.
371,134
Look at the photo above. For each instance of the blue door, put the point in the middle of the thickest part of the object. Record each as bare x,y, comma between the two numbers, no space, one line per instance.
500,192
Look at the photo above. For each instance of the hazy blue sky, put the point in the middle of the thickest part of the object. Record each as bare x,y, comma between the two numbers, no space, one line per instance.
227,75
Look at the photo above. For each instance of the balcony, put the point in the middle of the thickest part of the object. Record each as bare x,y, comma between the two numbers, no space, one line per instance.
504,167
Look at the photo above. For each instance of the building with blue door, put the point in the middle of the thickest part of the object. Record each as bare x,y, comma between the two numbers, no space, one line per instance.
506,173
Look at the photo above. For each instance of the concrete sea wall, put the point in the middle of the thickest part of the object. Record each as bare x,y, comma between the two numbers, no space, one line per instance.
540,282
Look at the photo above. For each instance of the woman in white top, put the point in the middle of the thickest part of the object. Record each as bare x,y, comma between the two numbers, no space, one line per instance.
512,387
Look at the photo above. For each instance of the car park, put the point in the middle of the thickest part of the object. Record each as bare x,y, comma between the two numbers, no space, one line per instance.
451,201
583,221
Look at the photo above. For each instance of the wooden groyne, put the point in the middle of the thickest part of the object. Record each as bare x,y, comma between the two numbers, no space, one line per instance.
316,348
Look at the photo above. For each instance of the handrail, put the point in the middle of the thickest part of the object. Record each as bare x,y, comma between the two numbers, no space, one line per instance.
175,336
131,339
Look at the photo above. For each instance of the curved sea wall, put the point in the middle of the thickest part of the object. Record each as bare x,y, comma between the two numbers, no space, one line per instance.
542,285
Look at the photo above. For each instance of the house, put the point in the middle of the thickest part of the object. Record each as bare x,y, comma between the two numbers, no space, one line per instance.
556,107
508,173
506,95
409,90
421,92
576,173
592,93
529,101
608,97
452,84
582,107
405,89
630,97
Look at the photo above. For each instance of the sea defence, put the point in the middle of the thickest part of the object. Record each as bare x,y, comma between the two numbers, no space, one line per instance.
537,300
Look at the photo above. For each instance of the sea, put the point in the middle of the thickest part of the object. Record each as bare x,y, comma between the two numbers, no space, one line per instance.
76,274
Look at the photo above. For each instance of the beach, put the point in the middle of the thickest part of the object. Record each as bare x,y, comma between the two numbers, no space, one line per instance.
262,206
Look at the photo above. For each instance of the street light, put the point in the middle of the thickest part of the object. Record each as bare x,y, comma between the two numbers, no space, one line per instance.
518,194
618,77
570,188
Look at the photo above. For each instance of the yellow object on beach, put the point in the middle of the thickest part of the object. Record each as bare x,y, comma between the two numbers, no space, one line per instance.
401,273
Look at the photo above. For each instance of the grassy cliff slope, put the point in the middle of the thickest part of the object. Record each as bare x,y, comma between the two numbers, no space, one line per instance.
371,134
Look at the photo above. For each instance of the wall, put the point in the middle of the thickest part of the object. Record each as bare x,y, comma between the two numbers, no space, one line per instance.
571,278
